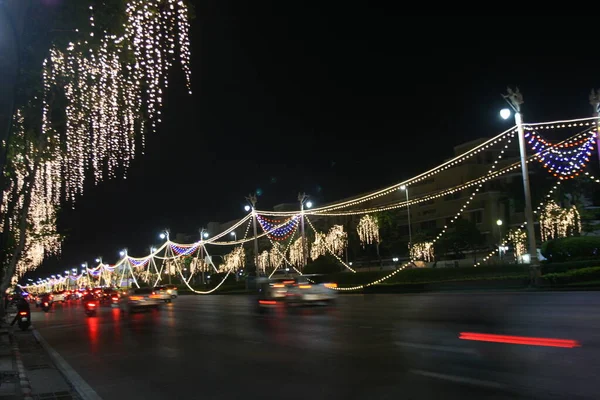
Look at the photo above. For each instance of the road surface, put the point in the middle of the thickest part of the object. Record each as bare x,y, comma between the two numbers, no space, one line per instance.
366,347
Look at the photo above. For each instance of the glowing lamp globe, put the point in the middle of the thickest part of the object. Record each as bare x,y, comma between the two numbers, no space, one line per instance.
505,113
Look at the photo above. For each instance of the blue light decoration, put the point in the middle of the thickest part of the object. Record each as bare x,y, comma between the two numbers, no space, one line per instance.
139,263
184,250
562,160
273,229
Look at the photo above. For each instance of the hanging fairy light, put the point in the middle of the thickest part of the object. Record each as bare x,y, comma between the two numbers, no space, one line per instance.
109,89
368,230
422,251
235,260
557,222
276,255
319,246
263,260
518,238
296,252
337,239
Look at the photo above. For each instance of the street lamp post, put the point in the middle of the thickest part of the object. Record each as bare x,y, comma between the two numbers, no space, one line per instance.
252,200
515,99
405,188
499,223
302,198
203,235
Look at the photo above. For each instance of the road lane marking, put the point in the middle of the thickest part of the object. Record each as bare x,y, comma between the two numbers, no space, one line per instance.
459,379
84,390
450,349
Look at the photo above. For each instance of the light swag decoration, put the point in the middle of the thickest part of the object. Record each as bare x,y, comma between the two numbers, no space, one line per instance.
422,251
337,240
296,252
319,246
368,230
107,83
518,238
557,222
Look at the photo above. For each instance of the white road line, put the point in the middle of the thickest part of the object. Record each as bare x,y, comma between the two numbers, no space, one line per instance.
450,349
460,379
83,389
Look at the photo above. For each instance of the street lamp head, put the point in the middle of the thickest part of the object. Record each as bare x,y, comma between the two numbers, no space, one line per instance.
247,208
232,233
403,187
505,113
309,204
83,265
122,253
205,234
98,260
499,222
162,236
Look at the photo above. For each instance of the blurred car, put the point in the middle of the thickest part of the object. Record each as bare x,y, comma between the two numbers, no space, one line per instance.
294,290
138,299
172,290
59,296
308,292
162,293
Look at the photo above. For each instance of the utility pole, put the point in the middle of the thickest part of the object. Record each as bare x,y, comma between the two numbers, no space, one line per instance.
302,197
595,103
252,200
515,99
202,230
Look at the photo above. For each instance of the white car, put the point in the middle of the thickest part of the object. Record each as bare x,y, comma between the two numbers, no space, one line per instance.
59,297
306,292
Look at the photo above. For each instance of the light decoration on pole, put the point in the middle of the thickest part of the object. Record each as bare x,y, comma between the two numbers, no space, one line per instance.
563,160
518,238
368,230
319,246
337,239
557,222
277,229
422,251
296,252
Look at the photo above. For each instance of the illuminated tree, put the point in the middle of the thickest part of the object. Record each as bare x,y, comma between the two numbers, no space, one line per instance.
557,222
368,230
100,92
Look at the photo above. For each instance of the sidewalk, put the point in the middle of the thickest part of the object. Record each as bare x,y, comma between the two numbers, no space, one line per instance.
27,371
45,379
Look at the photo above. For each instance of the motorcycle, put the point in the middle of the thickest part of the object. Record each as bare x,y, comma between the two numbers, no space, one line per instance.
45,306
24,320
90,309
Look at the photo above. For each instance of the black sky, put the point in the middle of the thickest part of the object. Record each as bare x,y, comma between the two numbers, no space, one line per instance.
333,106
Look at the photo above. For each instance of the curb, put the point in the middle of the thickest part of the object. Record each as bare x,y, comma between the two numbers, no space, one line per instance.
82,388
23,380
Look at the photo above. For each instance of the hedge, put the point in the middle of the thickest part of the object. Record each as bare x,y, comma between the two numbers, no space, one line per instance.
577,275
572,248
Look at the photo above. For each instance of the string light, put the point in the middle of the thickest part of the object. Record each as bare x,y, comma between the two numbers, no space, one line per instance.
368,230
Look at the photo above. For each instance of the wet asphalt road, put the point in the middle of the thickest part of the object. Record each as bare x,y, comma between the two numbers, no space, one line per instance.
366,347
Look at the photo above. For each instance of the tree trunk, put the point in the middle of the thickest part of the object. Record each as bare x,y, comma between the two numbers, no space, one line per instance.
10,269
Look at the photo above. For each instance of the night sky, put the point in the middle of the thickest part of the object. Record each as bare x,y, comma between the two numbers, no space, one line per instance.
333,106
